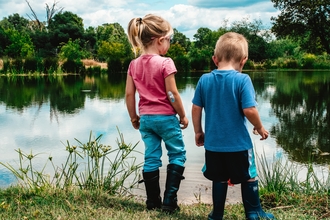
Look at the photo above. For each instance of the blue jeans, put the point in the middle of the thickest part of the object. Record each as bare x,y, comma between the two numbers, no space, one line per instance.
154,129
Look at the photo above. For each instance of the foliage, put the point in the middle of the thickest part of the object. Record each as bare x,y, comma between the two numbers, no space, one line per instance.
63,36
19,45
307,21
72,51
85,167
73,66
107,50
50,64
308,61
65,26
31,65
114,65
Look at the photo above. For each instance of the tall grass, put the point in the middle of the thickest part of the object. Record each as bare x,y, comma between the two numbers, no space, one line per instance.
287,185
88,166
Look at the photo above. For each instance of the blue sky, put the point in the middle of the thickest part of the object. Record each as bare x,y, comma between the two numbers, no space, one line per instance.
185,15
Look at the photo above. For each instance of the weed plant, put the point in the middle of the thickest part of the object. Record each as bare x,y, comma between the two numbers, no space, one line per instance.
85,168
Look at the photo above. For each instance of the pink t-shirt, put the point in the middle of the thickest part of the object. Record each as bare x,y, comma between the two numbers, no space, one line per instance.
149,73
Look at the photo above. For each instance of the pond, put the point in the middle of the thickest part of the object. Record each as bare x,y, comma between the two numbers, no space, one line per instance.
40,114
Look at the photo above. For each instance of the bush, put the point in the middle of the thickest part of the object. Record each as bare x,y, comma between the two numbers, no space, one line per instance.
249,65
114,65
71,66
50,64
17,65
291,63
31,65
182,63
308,61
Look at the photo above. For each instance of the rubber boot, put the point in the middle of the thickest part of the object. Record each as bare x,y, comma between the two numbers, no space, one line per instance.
251,202
219,194
173,180
151,182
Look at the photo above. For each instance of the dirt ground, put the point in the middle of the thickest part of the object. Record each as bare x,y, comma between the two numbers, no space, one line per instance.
194,188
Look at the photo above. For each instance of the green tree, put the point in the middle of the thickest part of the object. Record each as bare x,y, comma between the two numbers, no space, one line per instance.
15,22
110,49
65,26
4,41
20,44
181,39
253,32
305,20
72,51
112,37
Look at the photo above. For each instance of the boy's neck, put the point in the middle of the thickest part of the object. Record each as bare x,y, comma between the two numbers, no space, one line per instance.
229,66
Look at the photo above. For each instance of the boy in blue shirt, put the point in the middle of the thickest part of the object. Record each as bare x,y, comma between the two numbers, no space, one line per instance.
228,99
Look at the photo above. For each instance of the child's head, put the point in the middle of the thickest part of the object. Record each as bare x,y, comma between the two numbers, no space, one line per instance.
231,47
142,31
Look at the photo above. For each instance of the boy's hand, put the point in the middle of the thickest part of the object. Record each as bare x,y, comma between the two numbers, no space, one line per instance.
184,122
199,139
262,131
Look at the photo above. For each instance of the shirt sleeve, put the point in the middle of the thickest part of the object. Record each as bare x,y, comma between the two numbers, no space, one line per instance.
197,99
168,67
248,94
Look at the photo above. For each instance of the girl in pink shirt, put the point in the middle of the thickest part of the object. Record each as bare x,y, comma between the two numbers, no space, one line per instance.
153,77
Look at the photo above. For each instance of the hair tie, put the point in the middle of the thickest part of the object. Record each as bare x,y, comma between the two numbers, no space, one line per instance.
139,20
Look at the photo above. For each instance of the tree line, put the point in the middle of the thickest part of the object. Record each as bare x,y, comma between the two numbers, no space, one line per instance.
298,39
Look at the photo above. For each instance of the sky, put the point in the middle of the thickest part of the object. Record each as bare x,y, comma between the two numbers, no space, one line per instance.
187,16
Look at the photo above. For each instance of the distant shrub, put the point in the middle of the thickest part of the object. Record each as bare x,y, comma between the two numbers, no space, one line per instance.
308,61
31,65
182,63
291,64
249,65
114,65
50,64
17,65
71,66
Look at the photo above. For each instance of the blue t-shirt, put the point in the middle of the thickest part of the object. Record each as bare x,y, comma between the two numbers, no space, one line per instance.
224,94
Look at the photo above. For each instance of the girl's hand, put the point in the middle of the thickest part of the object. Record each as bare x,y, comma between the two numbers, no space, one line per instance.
184,122
136,122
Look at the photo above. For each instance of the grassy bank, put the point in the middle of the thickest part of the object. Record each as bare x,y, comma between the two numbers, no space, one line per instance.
92,184
49,203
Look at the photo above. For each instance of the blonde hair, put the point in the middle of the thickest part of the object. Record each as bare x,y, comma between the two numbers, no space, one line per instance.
231,46
142,31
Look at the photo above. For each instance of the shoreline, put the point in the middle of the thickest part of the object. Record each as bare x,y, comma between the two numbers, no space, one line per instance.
195,188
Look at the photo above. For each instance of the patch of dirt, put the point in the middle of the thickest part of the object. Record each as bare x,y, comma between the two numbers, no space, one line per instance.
94,63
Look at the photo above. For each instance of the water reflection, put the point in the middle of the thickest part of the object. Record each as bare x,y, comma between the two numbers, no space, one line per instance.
38,113
301,103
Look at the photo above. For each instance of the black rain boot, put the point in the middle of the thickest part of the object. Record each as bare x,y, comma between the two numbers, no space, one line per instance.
251,202
173,179
219,194
151,182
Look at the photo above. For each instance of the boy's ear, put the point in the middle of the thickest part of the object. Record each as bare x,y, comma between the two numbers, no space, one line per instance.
215,60
243,61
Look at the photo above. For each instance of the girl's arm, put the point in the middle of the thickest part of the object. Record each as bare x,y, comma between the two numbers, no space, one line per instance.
170,85
130,102
196,114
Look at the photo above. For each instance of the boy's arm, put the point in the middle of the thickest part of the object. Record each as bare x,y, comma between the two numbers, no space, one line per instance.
252,115
130,102
196,113
170,85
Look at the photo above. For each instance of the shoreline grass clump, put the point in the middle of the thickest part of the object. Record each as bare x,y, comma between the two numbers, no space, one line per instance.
88,166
